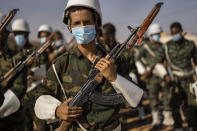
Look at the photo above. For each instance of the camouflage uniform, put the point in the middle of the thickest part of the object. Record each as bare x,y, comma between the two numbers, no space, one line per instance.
74,69
179,57
14,121
1,96
154,83
28,104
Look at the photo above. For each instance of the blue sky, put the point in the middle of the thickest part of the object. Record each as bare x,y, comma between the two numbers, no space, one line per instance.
119,12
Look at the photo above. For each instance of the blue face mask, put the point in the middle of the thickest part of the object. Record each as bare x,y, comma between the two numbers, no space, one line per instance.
20,40
58,43
156,37
177,37
43,40
84,34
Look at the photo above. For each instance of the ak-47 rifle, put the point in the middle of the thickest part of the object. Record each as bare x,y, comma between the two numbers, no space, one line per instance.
88,89
6,21
27,62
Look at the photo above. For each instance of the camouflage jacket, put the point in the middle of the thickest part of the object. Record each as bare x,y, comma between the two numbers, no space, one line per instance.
150,54
18,84
125,58
180,54
129,57
73,69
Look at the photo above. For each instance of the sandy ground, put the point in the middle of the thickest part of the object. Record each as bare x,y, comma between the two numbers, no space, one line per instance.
134,124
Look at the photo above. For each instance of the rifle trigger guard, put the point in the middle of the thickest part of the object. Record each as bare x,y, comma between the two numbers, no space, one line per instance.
106,99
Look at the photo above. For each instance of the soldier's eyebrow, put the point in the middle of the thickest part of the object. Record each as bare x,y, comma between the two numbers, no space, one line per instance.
76,23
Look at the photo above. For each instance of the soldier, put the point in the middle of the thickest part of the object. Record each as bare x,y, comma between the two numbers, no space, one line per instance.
109,40
82,18
3,38
43,32
149,59
59,46
11,113
179,52
21,32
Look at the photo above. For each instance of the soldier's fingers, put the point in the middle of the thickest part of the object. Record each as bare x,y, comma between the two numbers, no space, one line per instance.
67,118
72,119
74,115
64,117
75,111
112,60
75,108
105,61
99,67
67,101
103,64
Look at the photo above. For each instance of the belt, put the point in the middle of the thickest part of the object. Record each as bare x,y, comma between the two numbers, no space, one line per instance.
110,127
183,74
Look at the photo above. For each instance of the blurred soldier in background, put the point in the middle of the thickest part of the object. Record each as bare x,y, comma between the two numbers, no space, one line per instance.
43,32
11,113
3,39
59,40
109,40
58,47
149,59
37,73
179,53
21,32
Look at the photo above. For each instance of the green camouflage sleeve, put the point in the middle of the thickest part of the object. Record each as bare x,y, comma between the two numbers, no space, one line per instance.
139,52
161,55
195,55
20,85
50,84
1,96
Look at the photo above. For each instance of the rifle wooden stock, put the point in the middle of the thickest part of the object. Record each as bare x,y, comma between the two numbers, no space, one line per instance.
32,58
144,26
8,19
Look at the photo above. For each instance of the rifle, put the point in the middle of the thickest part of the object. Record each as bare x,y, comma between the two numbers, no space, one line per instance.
88,89
27,62
6,21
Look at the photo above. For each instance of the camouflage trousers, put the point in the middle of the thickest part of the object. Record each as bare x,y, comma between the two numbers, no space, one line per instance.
30,116
14,122
155,85
182,98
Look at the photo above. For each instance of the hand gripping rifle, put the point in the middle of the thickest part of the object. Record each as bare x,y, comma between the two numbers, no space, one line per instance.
27,62
6,21
87,91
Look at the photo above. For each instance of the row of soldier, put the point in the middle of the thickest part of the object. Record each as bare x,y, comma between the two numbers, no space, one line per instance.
167,68
29,79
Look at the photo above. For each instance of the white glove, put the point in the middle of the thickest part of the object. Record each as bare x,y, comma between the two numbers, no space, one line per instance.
10,105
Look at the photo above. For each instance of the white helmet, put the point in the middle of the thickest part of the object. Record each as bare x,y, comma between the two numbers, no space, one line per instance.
92,4
2,16
44,28
154,29
20,25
